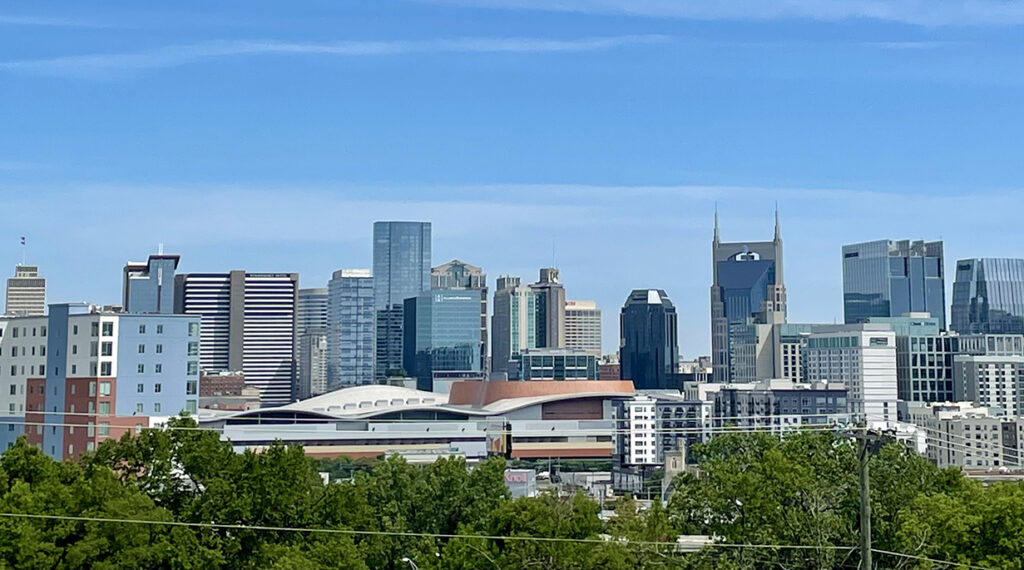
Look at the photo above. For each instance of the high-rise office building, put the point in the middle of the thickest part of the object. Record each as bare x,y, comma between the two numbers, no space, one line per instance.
924,357
248,325
988,296
149,285
351,329
648,340
442,334
887,278
90,374
401,270
550,295
748,289
459,276
310,343
583,326
26,292
513,325
863,357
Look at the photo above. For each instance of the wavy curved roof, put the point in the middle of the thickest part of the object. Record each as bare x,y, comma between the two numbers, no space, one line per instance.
471,398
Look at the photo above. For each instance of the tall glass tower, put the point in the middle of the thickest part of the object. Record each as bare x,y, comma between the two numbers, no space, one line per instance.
988,296
648,340
887,278
401,270
351,329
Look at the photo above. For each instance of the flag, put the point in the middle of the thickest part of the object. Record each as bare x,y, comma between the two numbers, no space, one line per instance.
22,240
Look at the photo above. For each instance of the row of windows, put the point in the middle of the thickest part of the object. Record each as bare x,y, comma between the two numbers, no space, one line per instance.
14,331
25,351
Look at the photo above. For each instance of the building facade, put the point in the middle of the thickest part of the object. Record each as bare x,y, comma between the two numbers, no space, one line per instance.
583,326
863,358
988,296
442,334
648,341
513,325
248,325
747,289
556,364
97,373
550,300
351,329
888,278
965,436
994,382
401,270
459,276
26,292
310,342
149,286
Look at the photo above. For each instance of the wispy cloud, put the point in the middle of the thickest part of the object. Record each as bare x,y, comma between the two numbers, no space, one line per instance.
10,20
916,12
112,64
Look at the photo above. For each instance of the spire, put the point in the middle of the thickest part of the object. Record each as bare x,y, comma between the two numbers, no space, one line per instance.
716,223
778,228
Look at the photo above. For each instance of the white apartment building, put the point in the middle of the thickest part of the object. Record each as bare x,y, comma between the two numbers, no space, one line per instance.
26,292
641,419
969,437
863,357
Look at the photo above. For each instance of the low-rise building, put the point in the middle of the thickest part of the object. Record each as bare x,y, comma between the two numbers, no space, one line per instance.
961,434
84,374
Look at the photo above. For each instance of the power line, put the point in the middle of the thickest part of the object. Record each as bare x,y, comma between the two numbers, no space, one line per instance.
399,534
932,560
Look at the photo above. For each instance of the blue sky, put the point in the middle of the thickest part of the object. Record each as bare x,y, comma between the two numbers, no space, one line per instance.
270,135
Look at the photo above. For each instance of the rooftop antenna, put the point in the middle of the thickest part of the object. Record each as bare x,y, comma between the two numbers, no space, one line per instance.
24,249
716,222
160,249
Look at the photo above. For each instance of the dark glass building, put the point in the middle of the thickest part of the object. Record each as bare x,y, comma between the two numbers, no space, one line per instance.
889,278
401,270
988,296
442,334
648,342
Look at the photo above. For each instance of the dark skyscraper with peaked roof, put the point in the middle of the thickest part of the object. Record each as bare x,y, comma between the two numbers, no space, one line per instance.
988,296
648,341
748,288
887,278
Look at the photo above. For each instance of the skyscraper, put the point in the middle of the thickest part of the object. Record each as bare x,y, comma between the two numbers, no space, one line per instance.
26,292
401,270
988,296
550,309
310,343
459,276
442,334
149,285
748,289
887,278
351,329
248,325
514,323
648,341
583,326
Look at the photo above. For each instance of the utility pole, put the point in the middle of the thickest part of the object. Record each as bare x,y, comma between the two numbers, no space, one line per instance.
864,457
869,441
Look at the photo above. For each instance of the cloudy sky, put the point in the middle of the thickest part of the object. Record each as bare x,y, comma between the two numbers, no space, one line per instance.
596,134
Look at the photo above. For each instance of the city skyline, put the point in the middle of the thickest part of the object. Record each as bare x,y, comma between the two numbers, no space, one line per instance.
814,297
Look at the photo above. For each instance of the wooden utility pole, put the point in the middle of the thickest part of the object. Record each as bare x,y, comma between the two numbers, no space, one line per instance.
864,457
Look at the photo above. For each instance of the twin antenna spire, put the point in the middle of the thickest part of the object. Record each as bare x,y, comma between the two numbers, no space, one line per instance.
778,225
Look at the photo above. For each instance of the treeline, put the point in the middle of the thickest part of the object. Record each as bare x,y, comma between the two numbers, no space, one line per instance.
181,498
